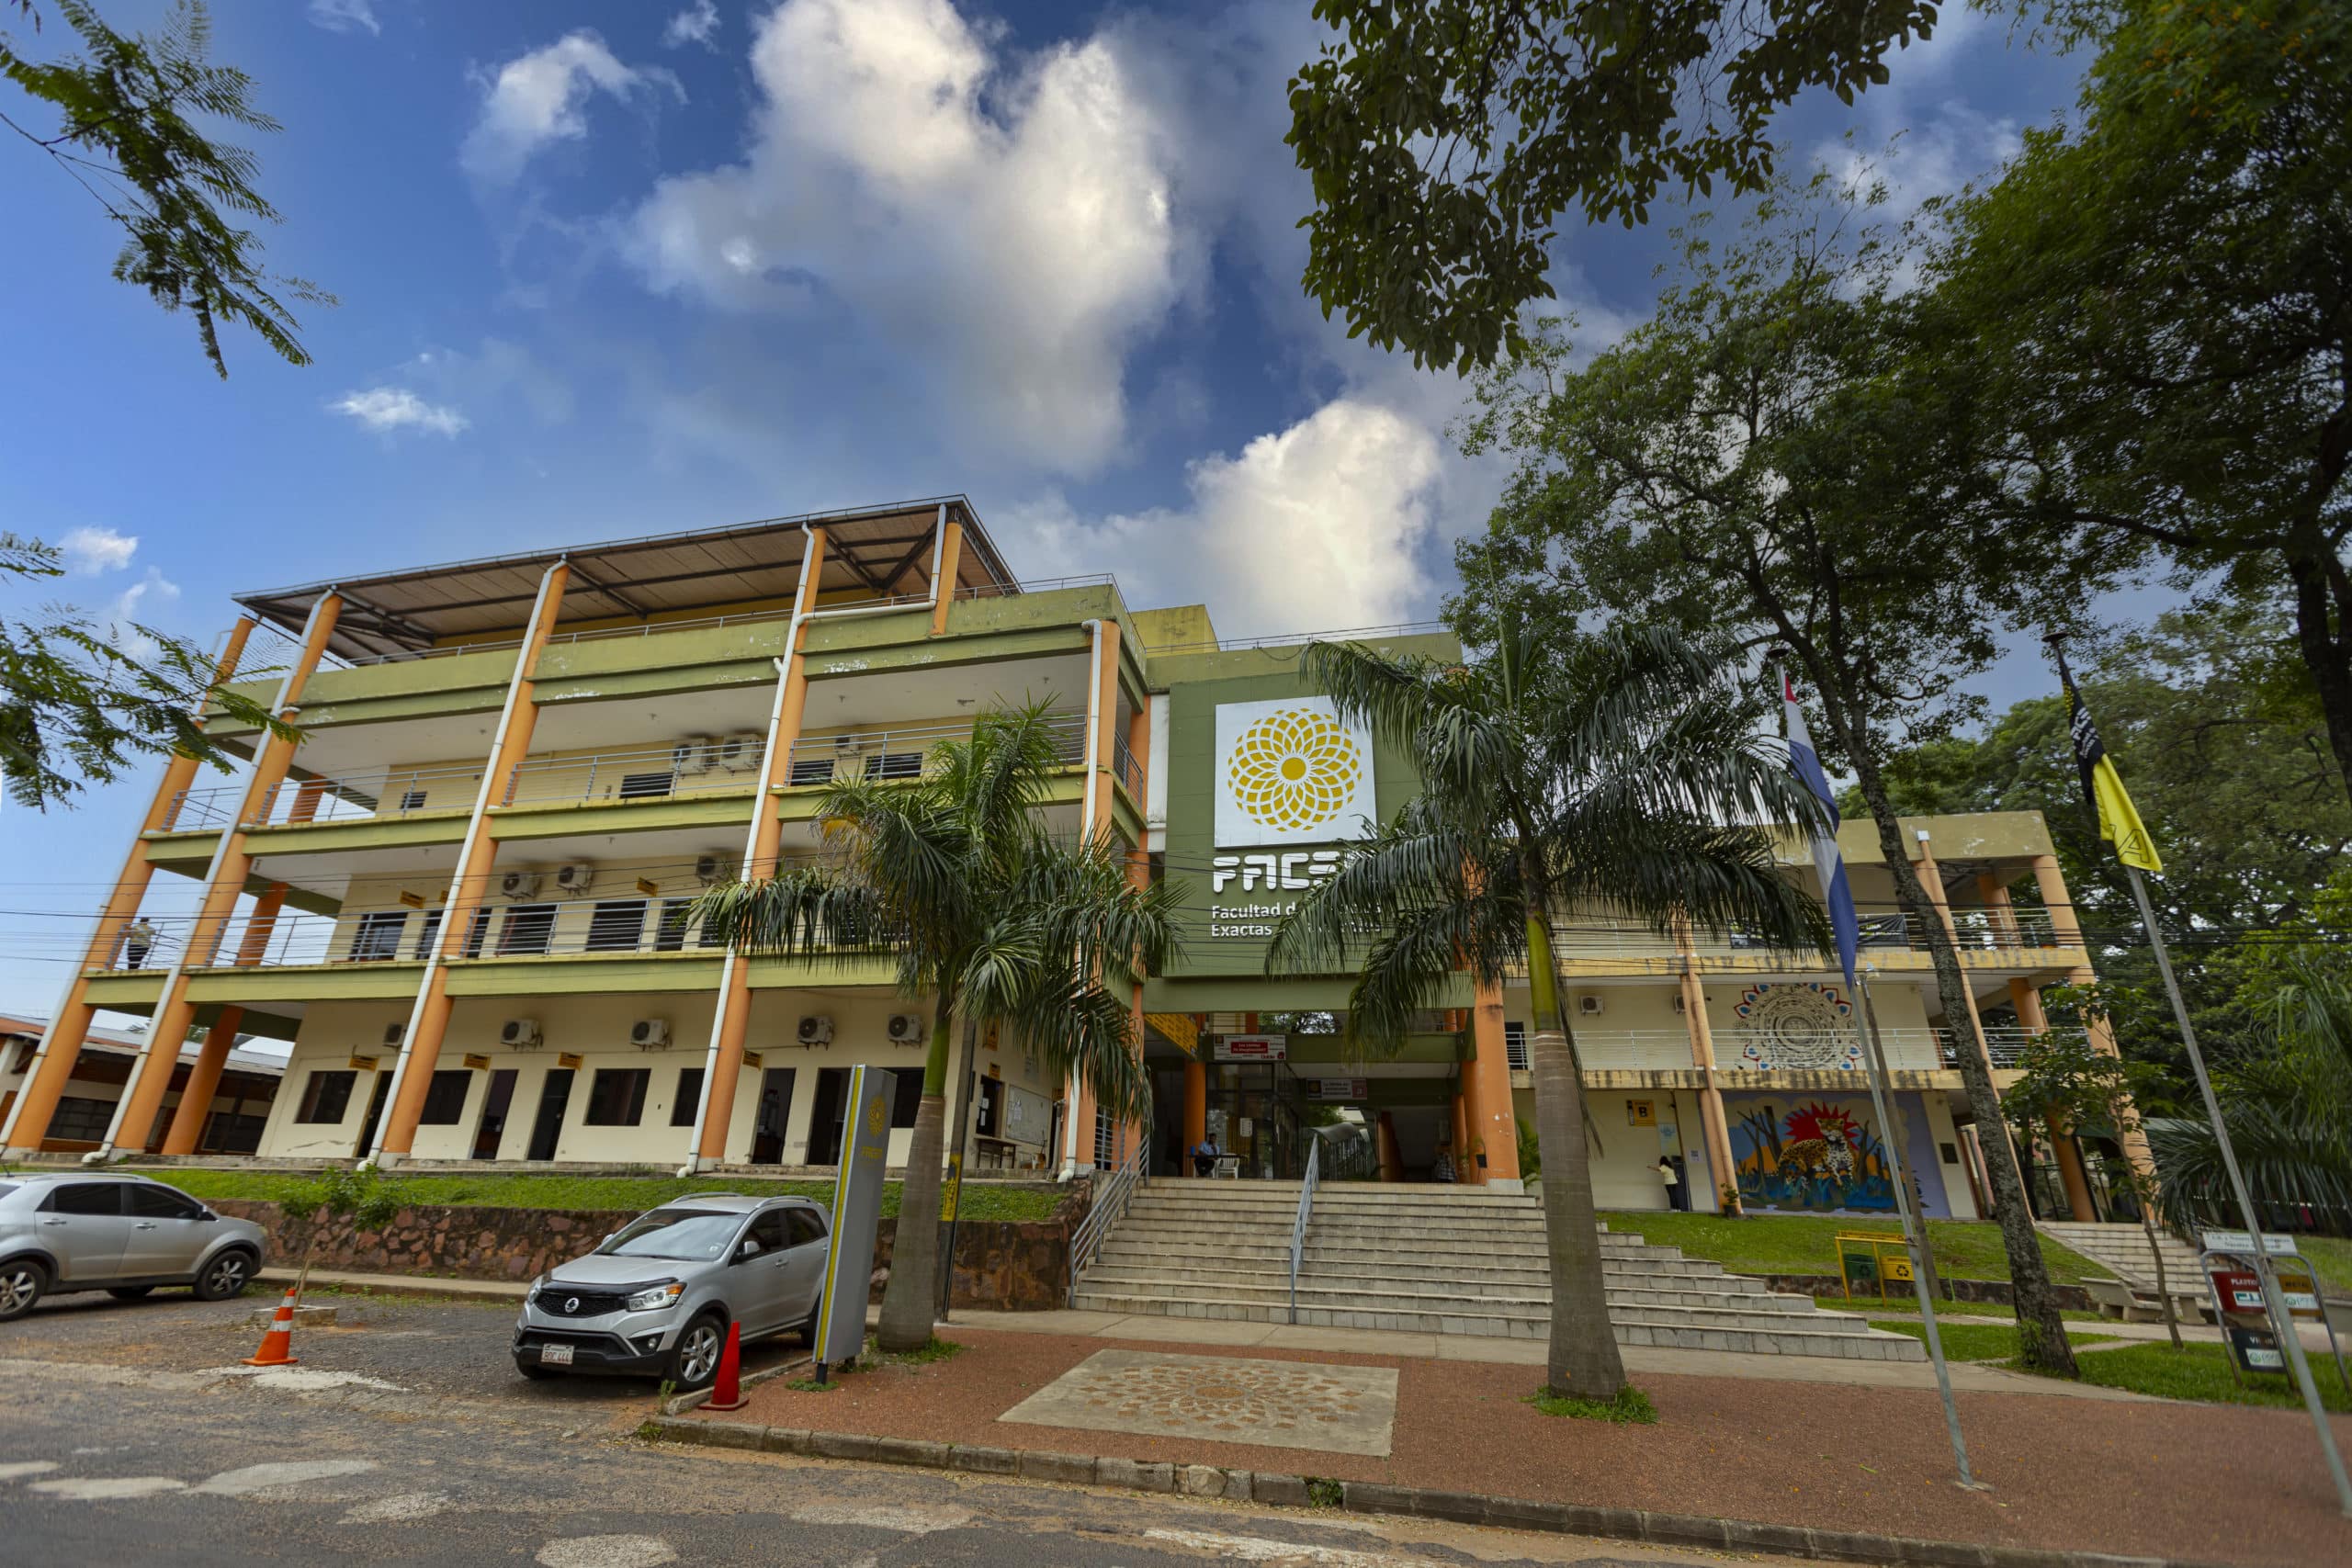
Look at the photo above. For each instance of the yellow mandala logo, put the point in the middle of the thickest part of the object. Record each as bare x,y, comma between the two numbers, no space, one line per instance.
1293,771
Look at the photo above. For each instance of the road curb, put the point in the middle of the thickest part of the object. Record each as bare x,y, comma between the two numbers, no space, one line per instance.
1370,1497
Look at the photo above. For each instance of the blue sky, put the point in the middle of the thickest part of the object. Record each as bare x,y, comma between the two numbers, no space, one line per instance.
617,269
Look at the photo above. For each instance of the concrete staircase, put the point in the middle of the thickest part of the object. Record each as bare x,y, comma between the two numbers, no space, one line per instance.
2122,1252
1432,1259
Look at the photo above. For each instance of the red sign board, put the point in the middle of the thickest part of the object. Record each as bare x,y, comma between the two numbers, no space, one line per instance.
1250,1048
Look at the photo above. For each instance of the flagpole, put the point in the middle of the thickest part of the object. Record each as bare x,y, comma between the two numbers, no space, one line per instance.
2273,1301
1915,1240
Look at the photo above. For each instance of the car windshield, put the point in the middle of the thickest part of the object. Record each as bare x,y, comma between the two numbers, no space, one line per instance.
688,1234
6,1187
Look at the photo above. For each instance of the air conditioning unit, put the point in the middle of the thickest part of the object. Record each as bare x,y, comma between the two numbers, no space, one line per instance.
712,870
392,1033
739,752
577,877
815,1030
519,884
905,1028
519,1032
693,755
1588,1005
650,1033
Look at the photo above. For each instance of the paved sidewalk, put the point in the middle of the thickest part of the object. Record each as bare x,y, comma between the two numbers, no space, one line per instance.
2159,1478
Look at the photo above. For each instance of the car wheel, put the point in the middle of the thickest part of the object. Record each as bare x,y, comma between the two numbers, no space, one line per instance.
693,1360
21,1283
127,1292
225,1276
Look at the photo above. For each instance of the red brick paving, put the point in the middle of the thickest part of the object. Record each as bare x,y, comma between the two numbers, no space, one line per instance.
2211,1483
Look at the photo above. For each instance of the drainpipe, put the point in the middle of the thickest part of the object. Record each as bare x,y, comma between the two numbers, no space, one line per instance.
1086,835
804,594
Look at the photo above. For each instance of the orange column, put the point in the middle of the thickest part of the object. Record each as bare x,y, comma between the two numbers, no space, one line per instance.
730,1024
951,563
1465,1167
204,1078
152,1074
1196,1109
1993,892
1714,1128
1931,878
60,1045
1493,1150
428,1021
1392,1163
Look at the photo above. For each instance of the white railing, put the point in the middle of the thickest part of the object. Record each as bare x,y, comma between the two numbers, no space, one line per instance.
359,797
1305,1213
193,810
905,753
658,773
1112,1190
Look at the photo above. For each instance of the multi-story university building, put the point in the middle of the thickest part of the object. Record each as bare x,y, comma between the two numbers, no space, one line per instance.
462,894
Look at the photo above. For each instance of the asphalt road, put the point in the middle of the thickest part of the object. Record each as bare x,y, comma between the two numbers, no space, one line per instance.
129,1436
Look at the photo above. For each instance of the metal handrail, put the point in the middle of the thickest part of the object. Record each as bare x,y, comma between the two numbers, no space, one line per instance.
684,767
361,797
1305,1213
1131,773
1112,1192
1068,729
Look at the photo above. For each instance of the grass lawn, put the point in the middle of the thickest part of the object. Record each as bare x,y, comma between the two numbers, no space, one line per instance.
2199,1371
500,1189
1806,1244
1908,1306
2332,1256
1974,1341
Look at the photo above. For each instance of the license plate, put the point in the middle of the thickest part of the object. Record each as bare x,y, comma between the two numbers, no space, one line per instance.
555,1355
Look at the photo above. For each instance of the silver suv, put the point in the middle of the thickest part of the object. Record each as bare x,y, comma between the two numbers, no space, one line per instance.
120,1234
656,1298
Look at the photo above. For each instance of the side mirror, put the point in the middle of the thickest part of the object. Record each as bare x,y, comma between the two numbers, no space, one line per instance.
747,1247
204,1214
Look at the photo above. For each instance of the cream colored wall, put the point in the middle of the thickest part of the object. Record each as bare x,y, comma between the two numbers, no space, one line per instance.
331,1033
573,912
1942,1129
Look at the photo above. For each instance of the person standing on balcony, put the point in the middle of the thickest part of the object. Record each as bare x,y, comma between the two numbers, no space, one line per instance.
137,943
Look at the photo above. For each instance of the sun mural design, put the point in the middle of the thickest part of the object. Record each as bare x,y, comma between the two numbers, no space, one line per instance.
1293,771
1802,1026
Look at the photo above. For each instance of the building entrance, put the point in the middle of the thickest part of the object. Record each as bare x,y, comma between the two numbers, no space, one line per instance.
1254,1114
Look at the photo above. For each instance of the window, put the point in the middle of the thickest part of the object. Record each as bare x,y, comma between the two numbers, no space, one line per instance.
326,1095
412,800
811,770
81,1121
646,786
1106,1141
910,1099
617,925
1515,1047
770,1232
427,931
669,930
528,929
689,1100
989,1108
93,1198
477,932
154,1200
444,1097
804,1226
616,1098
894,766
379,936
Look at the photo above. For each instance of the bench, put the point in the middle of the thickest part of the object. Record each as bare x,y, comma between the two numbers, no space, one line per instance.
2131,1304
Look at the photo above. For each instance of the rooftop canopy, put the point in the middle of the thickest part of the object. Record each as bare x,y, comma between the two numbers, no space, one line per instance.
881,552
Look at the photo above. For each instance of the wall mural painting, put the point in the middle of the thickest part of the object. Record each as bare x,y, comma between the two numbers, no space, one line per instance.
1797,1026
1819,1155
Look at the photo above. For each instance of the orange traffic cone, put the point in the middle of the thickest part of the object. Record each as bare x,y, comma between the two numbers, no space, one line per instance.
280,1337
726,1394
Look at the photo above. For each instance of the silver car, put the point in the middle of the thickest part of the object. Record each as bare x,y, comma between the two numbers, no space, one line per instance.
124,1235
657,1296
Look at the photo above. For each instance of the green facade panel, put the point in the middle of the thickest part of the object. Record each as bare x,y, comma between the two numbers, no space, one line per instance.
711,809
584,974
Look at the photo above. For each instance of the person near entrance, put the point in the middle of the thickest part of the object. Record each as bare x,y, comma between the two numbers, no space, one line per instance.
1666,1173
1205,1156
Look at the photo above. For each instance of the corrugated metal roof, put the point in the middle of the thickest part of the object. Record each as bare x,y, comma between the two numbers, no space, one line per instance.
880,551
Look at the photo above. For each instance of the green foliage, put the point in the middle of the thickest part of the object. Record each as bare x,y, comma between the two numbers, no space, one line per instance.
810,1385
2063,1074
1806,1244
1628,1407
980,1201
127,128
2202,1372
1531,1151
935,1349
1323,1492
365,1196
1974,1341
1445,140
77,707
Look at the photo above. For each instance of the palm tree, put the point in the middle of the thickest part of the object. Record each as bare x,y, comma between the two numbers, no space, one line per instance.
988,914
1621,773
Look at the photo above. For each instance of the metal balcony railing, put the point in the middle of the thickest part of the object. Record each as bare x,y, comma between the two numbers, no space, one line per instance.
194,810
905,753
1130,771
686,767
359,797
2007,1044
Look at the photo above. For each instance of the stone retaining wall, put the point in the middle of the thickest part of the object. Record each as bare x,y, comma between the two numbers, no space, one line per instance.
2070,1297
1000,1265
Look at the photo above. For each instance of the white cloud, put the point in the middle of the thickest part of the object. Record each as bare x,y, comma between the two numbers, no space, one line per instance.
345,15
389,409
540,97
1006,220
94,550
141,598
1317,527
695,24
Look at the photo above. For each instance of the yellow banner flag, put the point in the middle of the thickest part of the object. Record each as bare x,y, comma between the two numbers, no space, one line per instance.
2119,820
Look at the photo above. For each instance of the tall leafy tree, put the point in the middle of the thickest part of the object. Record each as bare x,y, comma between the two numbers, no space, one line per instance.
1753,458
82,704
989,917
127,117
1617,771
2152,309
